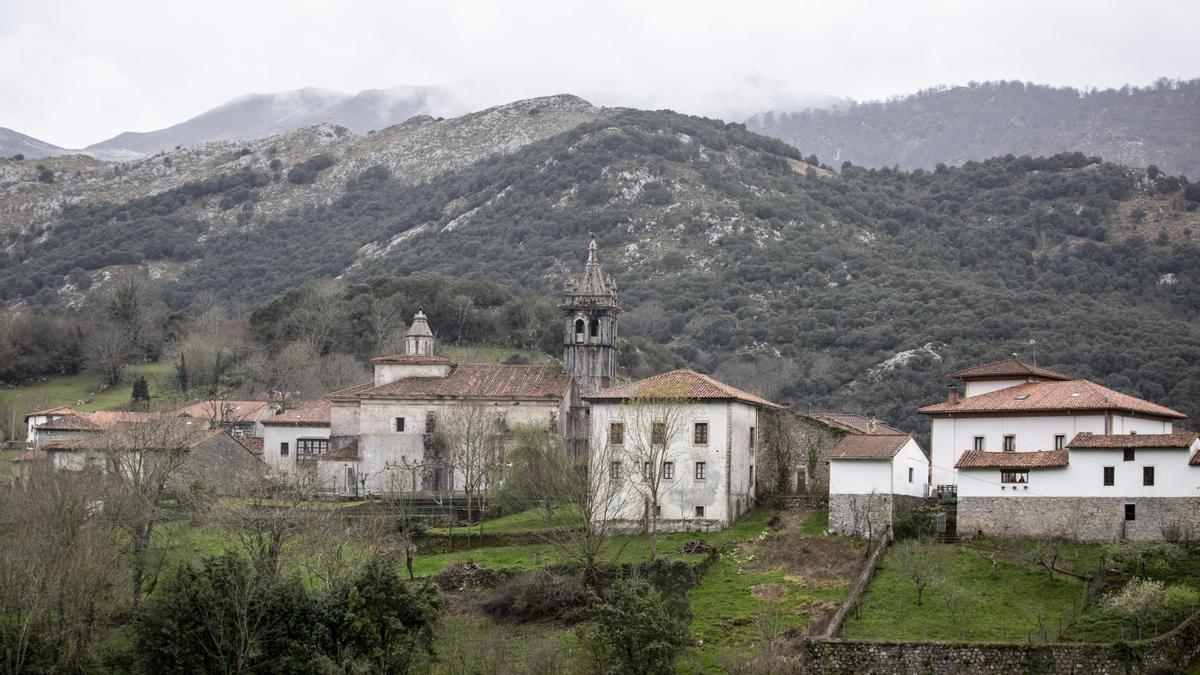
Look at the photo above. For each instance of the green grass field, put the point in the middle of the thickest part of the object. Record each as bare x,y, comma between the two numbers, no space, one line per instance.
71,389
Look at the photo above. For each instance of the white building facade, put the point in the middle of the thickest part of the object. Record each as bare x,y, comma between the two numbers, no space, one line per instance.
872,478
1032,452
681,444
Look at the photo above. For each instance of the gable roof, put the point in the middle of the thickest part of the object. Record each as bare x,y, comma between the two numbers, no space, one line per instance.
303,413
96,421
869,446
488,381
254,444
1195,460
346,453
1040,459
1069,395
1088,440
682,384
60,410
852,423
226,411
1010,367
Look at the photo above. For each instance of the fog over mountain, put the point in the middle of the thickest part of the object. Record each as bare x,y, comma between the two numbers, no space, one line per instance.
16,143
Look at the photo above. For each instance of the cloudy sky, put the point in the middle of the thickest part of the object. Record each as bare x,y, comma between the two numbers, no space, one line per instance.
79,71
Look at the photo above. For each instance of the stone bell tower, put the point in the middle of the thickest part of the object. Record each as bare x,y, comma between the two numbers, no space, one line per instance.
590,328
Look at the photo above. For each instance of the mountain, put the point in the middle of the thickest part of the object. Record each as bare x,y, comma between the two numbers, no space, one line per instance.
862,289
16,143
261,115
1156,125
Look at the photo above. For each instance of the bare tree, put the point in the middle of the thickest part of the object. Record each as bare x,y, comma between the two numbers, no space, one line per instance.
384,322
473,437
144,462
106,352
655,426
923,563
265,513
318,318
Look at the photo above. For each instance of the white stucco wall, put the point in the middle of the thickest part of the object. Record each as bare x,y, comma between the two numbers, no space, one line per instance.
881,476
951,436
975,388
725,491
274,434
1084,477
386,373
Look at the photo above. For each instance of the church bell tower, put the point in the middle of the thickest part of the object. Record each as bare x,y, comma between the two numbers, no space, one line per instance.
590,328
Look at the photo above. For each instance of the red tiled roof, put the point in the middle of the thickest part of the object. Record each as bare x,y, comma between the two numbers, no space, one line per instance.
1040,459
681,384
60,410
346,453
1195,460
96,421
1071,395
415,359
852,422
303,413
31,455
1010,367
224,411
480,381
349,393
1087,440
254,444
869,446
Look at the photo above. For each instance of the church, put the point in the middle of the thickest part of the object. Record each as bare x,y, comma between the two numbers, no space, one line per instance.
382,436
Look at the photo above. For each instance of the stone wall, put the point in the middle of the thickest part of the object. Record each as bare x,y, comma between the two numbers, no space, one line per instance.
790,442
869,515
1176,649
1081,518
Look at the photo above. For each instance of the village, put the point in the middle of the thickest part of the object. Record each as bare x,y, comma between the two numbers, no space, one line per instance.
1016,452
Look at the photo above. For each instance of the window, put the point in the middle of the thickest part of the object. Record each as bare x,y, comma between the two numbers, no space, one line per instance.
616,433
1060,441
283,449
751,475
1147,475
910,474
668,471
399,424
751,438
579,330
979,443
1010,443
1131,512
431,421
1129,455
657,511
311,447
646,470
699,511
658,433
700,435
594,328
1018,477
614,470
1110,475
701,470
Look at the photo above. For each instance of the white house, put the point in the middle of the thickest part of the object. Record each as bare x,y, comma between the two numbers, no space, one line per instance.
39,417
681,439
1032,452
872,477
241,418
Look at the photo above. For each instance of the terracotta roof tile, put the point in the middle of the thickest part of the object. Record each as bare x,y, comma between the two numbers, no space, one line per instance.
1088,440
416,359
480,381
1195,460
1039,459
1010,367
97,421
1073,395
346,453
303,413
31,455
852,422
227,411
60,410
349,393
682,384
252,443
869,446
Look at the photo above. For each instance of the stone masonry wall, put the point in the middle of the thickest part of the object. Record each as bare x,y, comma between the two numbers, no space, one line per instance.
1081,518
1176,649
867,515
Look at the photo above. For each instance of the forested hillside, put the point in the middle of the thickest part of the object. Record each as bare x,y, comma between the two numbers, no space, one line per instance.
1137,126
858,290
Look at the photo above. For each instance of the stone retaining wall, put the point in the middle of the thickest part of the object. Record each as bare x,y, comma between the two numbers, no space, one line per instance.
869,516
1173,650
1082,518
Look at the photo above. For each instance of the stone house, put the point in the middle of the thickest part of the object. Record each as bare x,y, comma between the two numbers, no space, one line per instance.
798,446
39,417
680,443
1033,452
872,479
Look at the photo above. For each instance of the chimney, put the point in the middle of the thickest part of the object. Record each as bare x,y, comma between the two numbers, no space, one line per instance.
952,396
870,423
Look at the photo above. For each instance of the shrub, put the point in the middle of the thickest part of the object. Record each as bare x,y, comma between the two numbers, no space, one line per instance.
1139,602
1192,192
306,172
635,631
538,595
